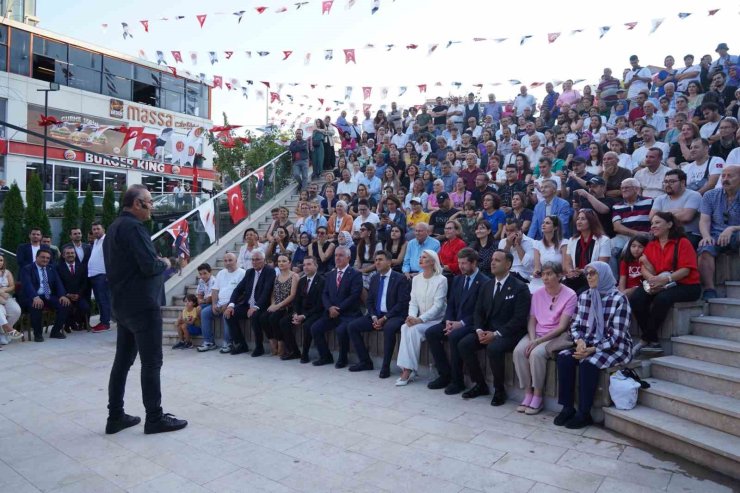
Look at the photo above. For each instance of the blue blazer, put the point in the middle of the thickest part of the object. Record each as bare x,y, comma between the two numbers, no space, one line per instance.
461,306
30,283
560,208
347,296
397,296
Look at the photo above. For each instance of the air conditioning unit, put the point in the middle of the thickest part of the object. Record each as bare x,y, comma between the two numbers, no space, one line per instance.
31,20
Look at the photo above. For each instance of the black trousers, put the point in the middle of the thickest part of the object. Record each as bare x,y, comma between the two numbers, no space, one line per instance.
288,335
37,315
651,310
240,313
452,368
141,334
496,350
588,379
270,322
390,329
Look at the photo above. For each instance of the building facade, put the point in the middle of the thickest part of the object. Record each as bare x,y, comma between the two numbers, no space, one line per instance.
135,122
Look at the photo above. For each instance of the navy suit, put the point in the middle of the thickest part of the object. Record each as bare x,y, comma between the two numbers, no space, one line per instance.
30,285
460,308
346,297
397,298
24,255
241,296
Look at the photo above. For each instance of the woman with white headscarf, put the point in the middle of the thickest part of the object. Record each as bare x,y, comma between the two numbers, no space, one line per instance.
426,308
600,331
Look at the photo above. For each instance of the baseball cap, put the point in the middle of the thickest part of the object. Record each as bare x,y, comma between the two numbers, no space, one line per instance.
442,196
597,180
415,199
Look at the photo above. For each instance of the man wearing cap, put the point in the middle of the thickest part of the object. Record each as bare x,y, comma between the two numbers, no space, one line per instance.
575,179
440,217
724,61
422,241
689,73
595,198
636,79
417,214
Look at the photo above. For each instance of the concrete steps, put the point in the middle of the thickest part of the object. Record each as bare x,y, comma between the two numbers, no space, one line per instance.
725,307
719,379
701,444
718,351
717,327
733,289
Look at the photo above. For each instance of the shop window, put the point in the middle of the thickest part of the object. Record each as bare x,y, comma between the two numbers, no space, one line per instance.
153,183
65,177
49,60
3,48
85,70
46,178
146,86
20,52
115,180
92,178
172,101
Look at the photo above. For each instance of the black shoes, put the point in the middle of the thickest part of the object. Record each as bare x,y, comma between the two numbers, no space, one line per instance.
362,367
438,383
166,423
114,425
385,372
454,388
57,335
578,421
323,361
305,359
476,391
499,398
239,349
288,357
38,338
258,351
341,363
565,415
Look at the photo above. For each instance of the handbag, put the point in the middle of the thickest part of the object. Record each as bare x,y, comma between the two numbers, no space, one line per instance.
554,346
623,388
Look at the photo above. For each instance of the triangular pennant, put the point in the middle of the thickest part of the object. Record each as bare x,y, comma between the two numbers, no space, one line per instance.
603,30
281,10
630,25
655,24
713,11
194,57
551,37
402,90
328,54
683,15
422,88
347,92
450,43
228,54
350,4
500,40
201,19
326,6
307,58
412,47
389,47
218,81
576,31
366,107
366,92
260,10
375,6
524,39
263,53
384,92
239,15
213,57
274,97
177,56
286,54
267,84
298,5
126,33
432,47
160,58
480,39
146,26
514,82
349,55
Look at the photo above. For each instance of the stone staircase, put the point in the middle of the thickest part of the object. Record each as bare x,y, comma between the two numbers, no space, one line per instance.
692,408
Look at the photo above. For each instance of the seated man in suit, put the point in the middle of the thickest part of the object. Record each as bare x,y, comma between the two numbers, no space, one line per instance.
457,324
74,278
26,252
41,288
341,299
501,316
307,309
387,308
250,297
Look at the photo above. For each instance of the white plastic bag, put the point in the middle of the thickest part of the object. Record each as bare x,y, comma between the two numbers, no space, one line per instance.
623,391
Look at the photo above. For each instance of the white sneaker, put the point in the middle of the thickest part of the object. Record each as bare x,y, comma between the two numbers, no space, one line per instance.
637,348
206,346
225,349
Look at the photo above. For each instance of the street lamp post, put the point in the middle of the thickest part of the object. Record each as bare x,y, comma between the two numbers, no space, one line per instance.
53,87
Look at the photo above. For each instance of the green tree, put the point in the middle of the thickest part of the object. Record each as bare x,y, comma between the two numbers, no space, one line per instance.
71,218
13,212
109,207
35,211
88,213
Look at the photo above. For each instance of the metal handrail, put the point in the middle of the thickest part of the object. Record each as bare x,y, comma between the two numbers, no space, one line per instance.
7,252
239,182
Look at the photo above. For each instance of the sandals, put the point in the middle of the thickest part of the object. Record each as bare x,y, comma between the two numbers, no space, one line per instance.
14,335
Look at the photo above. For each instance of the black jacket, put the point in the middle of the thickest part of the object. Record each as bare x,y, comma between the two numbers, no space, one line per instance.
309,304
508,313
132,267
86,249
461,305
262,292
74,284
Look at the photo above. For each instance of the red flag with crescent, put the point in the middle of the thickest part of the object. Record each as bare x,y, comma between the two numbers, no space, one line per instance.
201,19
131,133
176,228
146,141
46,121
366,92
236,204
177,55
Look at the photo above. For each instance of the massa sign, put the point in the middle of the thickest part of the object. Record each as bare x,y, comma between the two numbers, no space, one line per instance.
148,115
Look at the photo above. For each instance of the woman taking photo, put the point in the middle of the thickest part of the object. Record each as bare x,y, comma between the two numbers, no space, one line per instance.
416,191
280,244
523,168
341,166
450,248
10,311
669,268
301,252
396,246
600,332
362,193
393,215
485,244
283,293
426,308
317,148
322,250
493,214
589,244
367,245
520,212
550,313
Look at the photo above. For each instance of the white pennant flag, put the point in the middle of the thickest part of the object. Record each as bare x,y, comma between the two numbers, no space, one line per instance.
208,218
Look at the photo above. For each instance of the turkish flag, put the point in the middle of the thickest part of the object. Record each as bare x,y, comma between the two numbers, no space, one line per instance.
131,133
146,141
349,55
218,81
236,204
176,228
177,56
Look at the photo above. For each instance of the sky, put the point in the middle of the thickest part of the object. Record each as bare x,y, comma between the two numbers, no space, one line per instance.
400,22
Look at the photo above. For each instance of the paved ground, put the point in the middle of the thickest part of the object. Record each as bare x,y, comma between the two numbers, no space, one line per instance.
266,425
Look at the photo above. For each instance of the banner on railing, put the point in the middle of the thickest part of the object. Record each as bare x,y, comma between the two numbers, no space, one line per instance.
208,218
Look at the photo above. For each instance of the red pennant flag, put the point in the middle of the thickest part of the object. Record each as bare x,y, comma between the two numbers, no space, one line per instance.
260,9
412,47
630,25
177,56
713,11
201,19
236,204
224,128
366,92
286,54
131,133
146,25
267,84
326,6
321,100
366,107
536,84
349,55
551,37
281,10
46,121
173,70
180,226
218,81
274,97
195,176
313,86
422,87
228,85
147,142
228,54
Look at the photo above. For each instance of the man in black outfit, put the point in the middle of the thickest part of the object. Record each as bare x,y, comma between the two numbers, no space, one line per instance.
134,273
73,274
458,323
387,308
307,308
501,315
250,297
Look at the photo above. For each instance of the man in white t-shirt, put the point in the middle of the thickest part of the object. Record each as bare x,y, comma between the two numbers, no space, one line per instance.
524,100
683,203
456,112
652,174
636,79
364,216
226,281
710,130
702,174
689,73
648,140
545,166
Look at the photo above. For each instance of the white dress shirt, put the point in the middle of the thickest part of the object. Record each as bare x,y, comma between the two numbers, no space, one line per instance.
96,264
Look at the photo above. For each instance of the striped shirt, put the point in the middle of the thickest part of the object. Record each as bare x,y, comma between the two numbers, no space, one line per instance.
635,216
